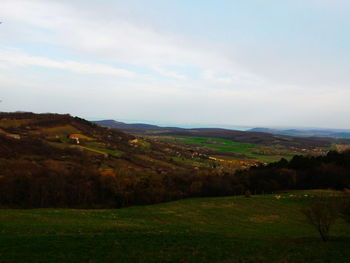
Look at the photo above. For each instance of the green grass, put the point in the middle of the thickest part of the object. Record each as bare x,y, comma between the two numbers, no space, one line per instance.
228,229
224,145
221,144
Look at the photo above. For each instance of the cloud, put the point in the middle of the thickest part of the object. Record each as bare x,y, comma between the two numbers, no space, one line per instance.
113,38
17,58
168,73
146,71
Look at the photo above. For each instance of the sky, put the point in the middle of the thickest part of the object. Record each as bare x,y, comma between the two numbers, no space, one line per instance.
247,63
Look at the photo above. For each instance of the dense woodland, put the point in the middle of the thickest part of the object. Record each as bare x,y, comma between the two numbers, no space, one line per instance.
35,172
51,184
301,172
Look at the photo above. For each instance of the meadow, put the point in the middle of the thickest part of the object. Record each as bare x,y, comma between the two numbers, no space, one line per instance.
226,229
249,150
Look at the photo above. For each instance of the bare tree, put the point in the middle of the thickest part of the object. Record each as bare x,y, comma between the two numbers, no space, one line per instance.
322,215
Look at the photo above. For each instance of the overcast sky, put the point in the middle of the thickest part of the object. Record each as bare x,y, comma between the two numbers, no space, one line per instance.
224,62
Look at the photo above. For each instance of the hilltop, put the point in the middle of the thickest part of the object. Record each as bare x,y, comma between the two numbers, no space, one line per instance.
126,126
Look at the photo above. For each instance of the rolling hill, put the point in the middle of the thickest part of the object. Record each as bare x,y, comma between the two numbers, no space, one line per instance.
52,160
60,160
25,134
256,137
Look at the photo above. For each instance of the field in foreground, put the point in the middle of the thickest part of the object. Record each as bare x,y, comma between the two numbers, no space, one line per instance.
229,229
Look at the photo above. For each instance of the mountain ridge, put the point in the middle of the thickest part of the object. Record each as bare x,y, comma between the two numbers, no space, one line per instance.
327,133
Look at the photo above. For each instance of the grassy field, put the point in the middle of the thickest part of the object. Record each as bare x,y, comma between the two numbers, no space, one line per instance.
223,145
229,229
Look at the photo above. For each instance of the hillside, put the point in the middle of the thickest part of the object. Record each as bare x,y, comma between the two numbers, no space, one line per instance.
230,229
51,160
60,160
47,135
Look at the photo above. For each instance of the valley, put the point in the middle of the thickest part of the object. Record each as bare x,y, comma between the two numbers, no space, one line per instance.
240,147
71,190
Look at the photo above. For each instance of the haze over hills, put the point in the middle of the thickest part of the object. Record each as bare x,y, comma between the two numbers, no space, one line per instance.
257,135
126,126
332,133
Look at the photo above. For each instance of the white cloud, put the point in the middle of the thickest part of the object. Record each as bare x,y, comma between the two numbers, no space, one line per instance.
17,58
268,88
112,38
169,73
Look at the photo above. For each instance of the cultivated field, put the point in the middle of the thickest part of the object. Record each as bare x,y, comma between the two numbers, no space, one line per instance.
229,229
222,147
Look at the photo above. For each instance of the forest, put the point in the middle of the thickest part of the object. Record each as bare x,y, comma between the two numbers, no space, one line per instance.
59,182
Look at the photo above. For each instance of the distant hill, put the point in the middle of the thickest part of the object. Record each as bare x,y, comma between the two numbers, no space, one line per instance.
331,133
125,126
258,136
138,128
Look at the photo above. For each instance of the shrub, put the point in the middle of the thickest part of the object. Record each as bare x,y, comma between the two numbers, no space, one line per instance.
322,215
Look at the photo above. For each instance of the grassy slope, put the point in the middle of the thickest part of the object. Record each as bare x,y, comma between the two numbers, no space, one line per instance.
103,150
229,229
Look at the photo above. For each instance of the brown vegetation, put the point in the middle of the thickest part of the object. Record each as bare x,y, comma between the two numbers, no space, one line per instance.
41,170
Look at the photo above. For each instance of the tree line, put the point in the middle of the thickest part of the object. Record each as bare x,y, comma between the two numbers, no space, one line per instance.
56,181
